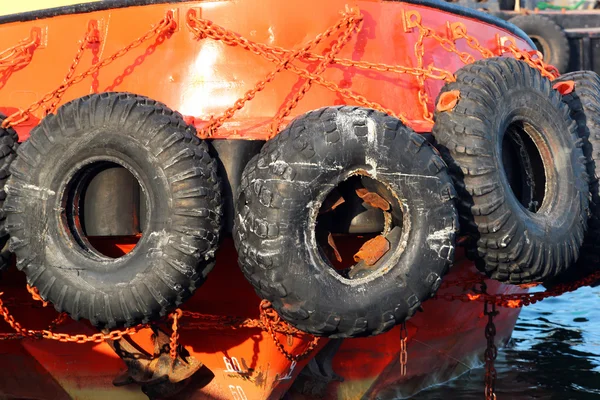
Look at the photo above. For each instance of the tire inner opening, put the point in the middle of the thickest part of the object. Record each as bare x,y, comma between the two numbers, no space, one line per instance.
358,225
104,209
523,166
542,46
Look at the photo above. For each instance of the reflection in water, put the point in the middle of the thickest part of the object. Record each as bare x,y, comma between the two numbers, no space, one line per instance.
554,354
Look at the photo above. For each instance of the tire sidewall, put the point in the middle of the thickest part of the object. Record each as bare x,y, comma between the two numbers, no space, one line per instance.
59,247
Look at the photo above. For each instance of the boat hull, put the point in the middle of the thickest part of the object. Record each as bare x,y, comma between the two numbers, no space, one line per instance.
444,340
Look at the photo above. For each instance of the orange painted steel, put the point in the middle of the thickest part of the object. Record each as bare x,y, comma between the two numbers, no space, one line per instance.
222,327
195,57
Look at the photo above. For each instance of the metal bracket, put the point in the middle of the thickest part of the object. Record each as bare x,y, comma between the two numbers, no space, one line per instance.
157,374
410,19
501,42
453,29
40,35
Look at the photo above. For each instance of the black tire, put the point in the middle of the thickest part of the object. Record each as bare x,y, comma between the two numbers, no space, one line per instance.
584,104
9,142
282,190
182,191
506,108
550,39
508,5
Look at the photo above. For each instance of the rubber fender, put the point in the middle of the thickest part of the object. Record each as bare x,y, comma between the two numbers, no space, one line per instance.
9,143
284,187
584,106
517,163
183,202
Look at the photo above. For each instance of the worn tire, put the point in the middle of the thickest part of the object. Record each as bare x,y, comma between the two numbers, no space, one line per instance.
282,190
182,191
512,243
9,143
584,104
550,38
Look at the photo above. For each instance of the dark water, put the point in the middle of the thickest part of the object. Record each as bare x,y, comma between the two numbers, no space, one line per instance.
554,354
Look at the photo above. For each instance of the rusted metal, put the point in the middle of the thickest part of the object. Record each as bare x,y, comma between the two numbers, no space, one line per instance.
373,199
333,201
448,100
403,351
372,250
157,373
331,243
491,352
564,87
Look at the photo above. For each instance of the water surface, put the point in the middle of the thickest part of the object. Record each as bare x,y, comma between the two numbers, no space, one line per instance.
554,354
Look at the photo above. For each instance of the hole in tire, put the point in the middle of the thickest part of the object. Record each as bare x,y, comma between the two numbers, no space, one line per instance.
524,166
104,209
353,214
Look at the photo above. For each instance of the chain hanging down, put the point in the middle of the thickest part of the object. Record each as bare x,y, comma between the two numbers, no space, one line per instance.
491,352
403,351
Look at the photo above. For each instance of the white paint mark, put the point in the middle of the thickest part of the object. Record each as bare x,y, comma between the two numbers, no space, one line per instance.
271,35
371,146
409,175
439,240
39,189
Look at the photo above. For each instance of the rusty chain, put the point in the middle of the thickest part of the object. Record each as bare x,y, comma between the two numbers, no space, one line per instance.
403,350
349,24
165,25
517,300
35,295
354,26
491,352
270,318
91,37
173,343
19,55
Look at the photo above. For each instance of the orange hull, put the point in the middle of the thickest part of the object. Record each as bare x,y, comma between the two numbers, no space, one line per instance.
201,78
245,362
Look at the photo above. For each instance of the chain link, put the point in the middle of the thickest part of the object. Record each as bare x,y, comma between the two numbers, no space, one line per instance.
173,343
517,300
91,37
35,295
18,56
491,352
354,26
270,319
403,351
166,25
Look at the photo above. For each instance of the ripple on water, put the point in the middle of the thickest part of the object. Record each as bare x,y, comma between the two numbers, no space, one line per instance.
554,354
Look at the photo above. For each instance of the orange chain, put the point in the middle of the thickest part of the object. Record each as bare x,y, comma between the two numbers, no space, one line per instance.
354,27
203,28
91,37
21,333
35,295
403,351
459,31
165,25
19,55
269,321
207,29
270,318
175,336
518,300
547,70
